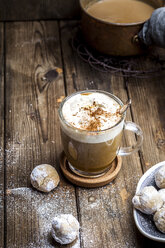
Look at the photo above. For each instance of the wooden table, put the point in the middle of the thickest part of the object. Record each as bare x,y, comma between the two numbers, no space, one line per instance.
30,135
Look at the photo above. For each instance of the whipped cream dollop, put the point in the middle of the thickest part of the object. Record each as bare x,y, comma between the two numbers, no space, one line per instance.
91,111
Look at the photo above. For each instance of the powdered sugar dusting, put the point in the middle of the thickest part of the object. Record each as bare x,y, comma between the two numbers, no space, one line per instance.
160,177
50,185
38,209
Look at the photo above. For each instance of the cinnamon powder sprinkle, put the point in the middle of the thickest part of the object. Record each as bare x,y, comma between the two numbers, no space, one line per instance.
95,122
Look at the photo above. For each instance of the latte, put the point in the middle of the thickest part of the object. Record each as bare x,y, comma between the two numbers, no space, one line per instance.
91,130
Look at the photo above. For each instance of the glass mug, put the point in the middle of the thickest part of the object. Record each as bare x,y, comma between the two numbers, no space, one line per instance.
90,153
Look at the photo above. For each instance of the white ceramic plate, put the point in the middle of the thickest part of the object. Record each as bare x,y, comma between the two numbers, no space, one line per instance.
145,222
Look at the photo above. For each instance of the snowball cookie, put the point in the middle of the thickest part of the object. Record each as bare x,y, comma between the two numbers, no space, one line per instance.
65,228
160,177
44,177
159,219
162,194
148,200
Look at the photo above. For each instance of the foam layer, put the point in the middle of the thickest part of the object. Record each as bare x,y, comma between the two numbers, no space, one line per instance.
96,137
82,111
91,111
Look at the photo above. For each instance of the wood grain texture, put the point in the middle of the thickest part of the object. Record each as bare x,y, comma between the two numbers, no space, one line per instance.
35,79
15,10
1,135
105,213
34,85
149,102
149,112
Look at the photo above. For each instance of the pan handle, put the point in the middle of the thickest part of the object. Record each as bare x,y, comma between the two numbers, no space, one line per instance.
135,39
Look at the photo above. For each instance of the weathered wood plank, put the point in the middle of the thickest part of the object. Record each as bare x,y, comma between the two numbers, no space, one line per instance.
15,10
34,83
148,110
149,102
107,220
1,135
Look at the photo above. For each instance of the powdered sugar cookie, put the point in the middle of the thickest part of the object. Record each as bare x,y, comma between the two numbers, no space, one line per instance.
159,219
65,228
148,200
162,194
44,177
160,177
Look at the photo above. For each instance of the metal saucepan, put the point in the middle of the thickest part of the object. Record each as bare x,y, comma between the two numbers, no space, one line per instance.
112,38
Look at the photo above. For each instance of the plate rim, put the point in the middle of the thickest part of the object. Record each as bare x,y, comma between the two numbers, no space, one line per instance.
147,173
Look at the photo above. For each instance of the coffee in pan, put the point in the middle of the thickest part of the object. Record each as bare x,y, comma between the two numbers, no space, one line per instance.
121,11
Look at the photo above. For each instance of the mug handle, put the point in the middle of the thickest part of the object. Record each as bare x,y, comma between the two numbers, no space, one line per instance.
133,127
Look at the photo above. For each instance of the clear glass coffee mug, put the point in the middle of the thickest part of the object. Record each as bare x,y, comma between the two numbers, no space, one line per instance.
90,153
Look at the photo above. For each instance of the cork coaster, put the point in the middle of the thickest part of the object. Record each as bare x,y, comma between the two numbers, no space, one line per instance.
108,177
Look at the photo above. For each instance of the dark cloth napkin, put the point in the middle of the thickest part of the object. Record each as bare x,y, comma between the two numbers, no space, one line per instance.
153,31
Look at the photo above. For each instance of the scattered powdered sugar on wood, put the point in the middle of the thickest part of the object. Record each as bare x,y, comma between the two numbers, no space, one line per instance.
12,154
1,204
100,217
15,149
104,216
38,209
1,185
